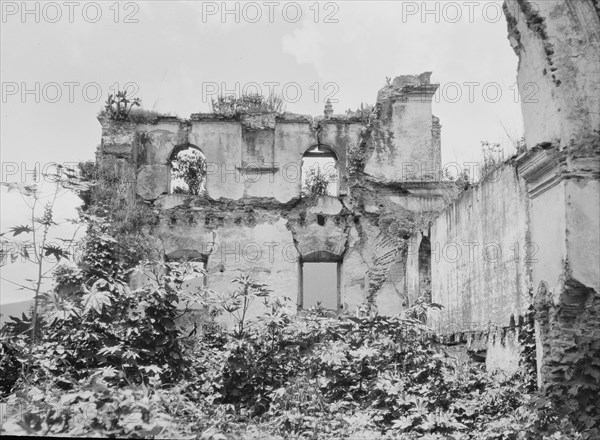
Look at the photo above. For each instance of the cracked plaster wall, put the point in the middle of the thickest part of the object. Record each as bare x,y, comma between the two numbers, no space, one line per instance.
481,254
558,45
252,217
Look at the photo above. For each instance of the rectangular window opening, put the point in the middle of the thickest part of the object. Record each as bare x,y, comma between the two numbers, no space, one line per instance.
320,283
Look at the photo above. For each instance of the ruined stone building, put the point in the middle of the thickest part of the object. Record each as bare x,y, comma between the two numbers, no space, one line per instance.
252,216
390,230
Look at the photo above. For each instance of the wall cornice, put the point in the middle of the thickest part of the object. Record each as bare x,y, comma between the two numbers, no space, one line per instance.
540,169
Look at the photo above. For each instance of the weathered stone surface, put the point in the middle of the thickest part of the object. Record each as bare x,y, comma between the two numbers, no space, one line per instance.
259,121
118,150
355,279
582,220
157,141
402,145
558,44
170,201
327,240
118,138
412,203
202,241
152,181
389,299
327,205
481,253
503,353
265,250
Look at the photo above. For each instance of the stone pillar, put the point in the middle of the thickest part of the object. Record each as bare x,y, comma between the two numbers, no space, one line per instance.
117,154
558,45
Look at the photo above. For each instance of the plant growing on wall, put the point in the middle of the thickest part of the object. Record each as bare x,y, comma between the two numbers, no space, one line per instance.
520,145
363,113
357,157
460,183
111,197
118,107
493,158
230,106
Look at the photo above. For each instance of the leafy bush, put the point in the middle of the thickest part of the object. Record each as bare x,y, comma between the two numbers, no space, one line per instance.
317,182
190,167
10,366
93,408
357,157
131,335
110,208
292,377
106,325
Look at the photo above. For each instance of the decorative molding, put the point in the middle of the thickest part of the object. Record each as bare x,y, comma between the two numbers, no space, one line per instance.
540,168
265,169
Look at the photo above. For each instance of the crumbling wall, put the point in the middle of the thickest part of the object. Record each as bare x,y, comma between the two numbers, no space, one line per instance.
558,45
406,145
480,258
253,217
481,254
545,218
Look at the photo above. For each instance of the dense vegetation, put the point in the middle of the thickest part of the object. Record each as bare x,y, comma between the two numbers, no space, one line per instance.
105,359
114,364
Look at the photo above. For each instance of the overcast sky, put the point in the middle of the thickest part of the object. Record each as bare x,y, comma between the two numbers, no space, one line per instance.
173,55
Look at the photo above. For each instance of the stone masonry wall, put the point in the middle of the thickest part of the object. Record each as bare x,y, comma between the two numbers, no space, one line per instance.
481,254
253,218
558,45
481,258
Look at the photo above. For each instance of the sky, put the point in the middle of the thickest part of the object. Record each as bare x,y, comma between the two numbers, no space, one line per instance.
59,62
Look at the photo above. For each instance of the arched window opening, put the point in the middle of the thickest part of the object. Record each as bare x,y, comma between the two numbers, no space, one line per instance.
425,268
188,172
320,173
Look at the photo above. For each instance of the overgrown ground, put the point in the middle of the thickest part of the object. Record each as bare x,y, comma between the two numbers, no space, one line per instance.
103,360
121,374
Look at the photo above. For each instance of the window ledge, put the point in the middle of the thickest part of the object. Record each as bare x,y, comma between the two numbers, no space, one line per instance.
265,169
